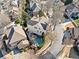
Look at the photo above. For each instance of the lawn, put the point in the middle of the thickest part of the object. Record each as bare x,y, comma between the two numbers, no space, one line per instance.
76,21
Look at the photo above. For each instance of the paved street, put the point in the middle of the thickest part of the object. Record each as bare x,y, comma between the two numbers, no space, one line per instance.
48,55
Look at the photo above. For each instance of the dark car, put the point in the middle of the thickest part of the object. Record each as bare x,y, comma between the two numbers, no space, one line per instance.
75,15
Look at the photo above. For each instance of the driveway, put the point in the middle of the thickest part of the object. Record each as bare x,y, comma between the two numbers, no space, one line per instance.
57,46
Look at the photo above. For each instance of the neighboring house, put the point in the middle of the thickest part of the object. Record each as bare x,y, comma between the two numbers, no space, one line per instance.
68,37
33,8
37,27
17,37
15,8
15,2
72,14
71,9
5,6
4,20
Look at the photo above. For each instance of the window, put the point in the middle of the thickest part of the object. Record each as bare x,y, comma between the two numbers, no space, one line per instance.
35,27
40,31
37,30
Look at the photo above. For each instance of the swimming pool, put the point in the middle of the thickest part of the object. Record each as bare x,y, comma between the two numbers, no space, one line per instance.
39,41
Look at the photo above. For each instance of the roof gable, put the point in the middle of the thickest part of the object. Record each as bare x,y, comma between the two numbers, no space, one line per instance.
31,22
44,25
16,34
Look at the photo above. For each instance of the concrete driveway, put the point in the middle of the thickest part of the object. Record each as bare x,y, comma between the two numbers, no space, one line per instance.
57,46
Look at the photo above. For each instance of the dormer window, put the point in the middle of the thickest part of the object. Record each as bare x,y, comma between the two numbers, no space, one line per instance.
35,27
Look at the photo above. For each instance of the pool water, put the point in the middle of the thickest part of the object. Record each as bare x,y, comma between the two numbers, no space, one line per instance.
39,41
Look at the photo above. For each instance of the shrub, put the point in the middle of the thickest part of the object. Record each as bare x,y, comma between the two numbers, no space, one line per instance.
18,21
41,13
68,2
25,15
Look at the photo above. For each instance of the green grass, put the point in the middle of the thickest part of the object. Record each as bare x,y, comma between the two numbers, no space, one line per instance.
76,21
18,21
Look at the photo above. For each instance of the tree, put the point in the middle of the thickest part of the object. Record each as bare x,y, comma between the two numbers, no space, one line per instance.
41,13
18,21
5,37
25,15
68,2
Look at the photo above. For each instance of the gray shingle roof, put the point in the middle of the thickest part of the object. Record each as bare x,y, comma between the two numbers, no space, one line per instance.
4,20
31,22
15,35
44,25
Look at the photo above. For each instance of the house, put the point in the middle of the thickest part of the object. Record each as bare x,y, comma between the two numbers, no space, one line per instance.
71,10
68,37
15,2
16,37
33,8
4,20
37,26
15,8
